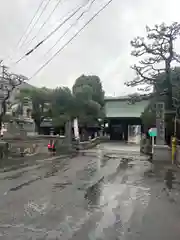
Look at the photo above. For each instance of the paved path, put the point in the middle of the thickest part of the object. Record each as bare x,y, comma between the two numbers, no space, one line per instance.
91,196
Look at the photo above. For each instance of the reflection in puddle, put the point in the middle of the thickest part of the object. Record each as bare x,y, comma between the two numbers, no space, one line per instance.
169,179
118,203
93,194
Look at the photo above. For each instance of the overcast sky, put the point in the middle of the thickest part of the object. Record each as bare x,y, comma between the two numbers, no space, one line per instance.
103,48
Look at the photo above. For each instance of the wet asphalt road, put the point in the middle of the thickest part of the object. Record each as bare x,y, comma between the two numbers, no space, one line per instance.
105,193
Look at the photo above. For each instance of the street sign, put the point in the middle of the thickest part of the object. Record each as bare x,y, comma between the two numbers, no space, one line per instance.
152,132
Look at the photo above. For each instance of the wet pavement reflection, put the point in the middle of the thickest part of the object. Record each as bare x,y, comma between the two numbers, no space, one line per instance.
95,195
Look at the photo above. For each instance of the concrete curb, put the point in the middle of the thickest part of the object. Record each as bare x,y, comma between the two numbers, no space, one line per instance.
53,158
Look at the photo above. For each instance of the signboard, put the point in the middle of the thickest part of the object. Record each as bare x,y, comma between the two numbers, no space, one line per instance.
152,132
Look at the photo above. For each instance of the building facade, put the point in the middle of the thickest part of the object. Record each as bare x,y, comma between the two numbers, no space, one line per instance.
124,117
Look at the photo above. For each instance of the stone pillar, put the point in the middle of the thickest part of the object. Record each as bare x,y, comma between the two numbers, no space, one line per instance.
68,134
160,123
162,153
27,105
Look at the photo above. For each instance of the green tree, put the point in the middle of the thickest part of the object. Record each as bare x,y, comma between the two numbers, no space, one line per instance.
92,86
89,101
63,106
159,54
89,96
85,101
148,116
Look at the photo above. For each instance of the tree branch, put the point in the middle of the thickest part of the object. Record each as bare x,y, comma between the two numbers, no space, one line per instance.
11,81
159,48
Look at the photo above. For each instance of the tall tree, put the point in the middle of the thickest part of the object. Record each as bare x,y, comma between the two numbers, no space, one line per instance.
148,116
90,97
159,54
156,54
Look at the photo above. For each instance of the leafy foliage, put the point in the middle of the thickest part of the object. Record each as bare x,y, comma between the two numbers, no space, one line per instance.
85,101
148,116
90,85
154,70
89,97
63,106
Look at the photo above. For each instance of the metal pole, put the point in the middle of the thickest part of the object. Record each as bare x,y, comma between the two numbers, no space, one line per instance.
175,124
152,145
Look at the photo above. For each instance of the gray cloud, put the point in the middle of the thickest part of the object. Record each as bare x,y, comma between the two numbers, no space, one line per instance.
103,48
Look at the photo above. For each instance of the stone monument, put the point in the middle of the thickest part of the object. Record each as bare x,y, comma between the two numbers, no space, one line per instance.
162,152
22,123
160,123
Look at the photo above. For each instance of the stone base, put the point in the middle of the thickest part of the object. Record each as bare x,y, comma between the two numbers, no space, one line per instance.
134,140
162,153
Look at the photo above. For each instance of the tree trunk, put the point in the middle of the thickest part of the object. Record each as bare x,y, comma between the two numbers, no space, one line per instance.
37,126
169,104
169,100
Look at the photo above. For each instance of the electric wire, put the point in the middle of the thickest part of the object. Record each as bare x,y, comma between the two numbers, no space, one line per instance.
27,28
34,16
49,35
69,28
71,39
45,22
35,23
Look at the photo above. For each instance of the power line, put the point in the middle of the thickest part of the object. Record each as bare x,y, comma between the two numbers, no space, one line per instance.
37,20
49,16
49,35
71,39
40,5
72,25
27,28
